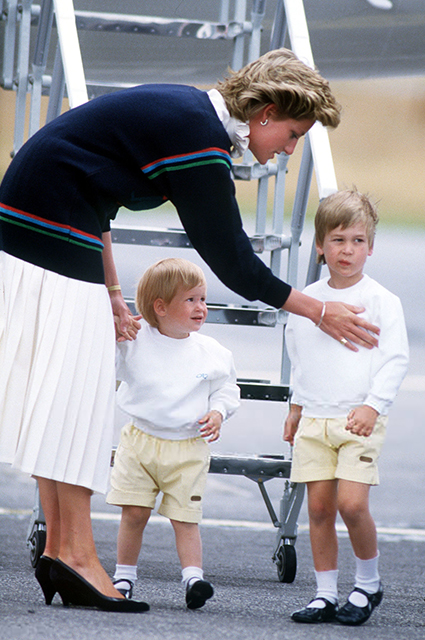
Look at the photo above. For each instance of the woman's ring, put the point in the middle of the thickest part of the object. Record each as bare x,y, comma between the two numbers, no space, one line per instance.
343,341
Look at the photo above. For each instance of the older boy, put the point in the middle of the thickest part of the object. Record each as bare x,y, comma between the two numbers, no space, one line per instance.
339,407
177,387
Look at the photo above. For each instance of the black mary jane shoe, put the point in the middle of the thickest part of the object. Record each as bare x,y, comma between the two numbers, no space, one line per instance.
198,593
125,589
314,615
42,573
353,616
75,590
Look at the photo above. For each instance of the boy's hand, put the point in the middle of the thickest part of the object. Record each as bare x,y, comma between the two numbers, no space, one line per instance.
291,423
126,327
212,425
361,420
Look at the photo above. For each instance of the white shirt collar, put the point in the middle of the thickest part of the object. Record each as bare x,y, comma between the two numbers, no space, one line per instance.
237,131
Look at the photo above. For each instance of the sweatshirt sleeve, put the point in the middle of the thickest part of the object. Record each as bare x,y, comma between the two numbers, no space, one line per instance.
224,392
390,360
291,348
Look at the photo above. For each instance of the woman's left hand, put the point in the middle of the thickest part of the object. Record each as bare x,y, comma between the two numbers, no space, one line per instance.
341,322
126,325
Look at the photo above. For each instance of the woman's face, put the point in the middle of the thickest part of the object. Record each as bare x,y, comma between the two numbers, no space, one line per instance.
276,136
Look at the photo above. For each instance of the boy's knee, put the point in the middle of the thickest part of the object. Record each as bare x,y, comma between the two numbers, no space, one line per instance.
320,511
136,516
352,510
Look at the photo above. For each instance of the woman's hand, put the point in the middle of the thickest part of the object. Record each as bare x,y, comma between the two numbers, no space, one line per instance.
341,322
126,325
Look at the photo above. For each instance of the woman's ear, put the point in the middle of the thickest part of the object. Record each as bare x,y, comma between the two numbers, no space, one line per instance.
270,111
160,307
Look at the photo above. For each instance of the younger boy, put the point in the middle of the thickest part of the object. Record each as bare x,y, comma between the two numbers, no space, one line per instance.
339,407
177,387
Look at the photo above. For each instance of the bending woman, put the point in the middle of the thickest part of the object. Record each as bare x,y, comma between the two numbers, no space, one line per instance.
137,148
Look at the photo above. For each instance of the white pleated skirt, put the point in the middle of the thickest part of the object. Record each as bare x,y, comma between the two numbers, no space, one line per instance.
57,375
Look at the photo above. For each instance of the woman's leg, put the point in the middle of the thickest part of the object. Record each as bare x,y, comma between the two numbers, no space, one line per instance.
77,547
50,503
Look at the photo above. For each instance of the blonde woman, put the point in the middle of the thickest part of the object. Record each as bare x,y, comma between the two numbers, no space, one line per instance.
138,148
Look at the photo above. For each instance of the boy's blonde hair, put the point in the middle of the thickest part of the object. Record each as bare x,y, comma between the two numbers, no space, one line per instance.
162,280
344,209
280,78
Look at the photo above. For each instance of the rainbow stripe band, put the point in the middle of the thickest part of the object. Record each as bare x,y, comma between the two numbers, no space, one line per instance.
211,155
49,228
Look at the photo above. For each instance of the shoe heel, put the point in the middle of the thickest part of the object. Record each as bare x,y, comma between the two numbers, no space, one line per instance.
42,574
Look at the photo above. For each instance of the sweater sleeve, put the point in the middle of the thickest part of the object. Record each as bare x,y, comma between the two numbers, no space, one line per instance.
224,392
204,196
391,358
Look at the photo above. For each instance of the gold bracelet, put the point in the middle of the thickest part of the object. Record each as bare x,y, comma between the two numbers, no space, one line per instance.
114,287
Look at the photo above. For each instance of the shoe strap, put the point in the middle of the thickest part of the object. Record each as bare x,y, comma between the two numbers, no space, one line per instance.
362,591
129,582
323,600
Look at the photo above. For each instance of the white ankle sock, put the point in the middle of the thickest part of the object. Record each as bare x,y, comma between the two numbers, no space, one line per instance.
367,578
327,587
191,574
125,572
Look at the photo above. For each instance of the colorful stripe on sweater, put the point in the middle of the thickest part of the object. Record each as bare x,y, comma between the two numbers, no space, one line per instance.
49,228
211,155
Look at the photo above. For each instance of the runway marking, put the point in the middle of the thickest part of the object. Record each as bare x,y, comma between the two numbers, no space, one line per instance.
405,533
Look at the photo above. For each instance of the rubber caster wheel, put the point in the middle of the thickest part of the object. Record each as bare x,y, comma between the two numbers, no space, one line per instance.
37,544
286,563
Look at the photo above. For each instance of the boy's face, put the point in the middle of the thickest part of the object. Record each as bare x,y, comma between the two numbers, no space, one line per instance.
345,252
186,312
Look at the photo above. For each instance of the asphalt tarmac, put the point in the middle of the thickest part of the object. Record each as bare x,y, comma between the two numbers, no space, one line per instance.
249,602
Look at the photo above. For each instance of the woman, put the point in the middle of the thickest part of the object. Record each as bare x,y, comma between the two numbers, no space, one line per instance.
137,148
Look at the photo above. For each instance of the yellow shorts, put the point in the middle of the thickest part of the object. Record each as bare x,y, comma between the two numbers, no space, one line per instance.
145,465
324,450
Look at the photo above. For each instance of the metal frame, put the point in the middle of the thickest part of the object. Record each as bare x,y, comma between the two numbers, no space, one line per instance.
68,77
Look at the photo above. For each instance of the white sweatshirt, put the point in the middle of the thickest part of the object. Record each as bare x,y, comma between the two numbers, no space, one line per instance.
169,384
329,379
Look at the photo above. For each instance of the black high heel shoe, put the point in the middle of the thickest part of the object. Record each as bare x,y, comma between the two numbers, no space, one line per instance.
75,590
42,573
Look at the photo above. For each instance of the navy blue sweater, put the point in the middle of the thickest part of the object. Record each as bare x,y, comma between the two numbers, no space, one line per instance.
137,148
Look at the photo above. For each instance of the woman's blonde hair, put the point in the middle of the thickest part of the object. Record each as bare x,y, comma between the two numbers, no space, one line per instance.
162,280
280,78
344,209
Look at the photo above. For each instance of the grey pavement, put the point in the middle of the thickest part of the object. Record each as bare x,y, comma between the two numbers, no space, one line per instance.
250,603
